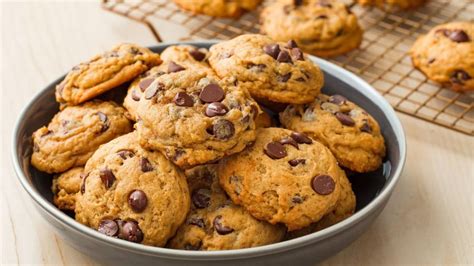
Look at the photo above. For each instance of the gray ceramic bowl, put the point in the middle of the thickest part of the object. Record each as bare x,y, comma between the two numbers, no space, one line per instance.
372,190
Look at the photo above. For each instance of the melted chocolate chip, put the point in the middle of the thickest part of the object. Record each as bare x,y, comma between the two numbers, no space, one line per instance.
220,228
322,17
297,54
323,184
108,227
459,76
107,177
131,231
297,2
197,55
212,93
183,99
337,99
201,198
137,200
289,141
284,57
222,129
216,109
135,96
284,78
344,119
197,222
272,50
173,67
125,154
457,35
275,150
144,84
366,127
105,121
295,162
301,138
145,165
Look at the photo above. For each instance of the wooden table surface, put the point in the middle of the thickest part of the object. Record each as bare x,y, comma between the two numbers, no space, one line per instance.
428,220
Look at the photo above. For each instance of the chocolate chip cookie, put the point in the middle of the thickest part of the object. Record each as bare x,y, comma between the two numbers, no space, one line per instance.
65,187
75,133
132,194
195,118
403,4
215,223
352,135
218,8
268,69
104,72
175,56
322,28
286,177
446,55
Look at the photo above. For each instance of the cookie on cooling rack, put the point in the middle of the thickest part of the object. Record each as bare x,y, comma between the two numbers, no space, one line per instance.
403,4
218,8
446,55
322,28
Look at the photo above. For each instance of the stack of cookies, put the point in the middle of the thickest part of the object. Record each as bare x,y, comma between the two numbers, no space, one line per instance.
192,158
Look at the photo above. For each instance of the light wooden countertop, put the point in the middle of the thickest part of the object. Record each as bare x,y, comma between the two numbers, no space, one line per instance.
430,218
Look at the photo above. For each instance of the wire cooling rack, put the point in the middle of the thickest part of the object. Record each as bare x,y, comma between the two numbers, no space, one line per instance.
381,60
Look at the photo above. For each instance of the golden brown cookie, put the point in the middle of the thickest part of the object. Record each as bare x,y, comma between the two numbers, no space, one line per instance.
215,223
65,187
446,55
218,8
286,177
322,28
75,133
195,118
403,4
269,70
104,72
133,194
352,135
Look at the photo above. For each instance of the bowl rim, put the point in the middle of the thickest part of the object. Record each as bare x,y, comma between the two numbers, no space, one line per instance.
342,74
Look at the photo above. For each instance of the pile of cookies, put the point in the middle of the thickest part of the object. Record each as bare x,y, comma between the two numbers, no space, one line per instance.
328,28
192,158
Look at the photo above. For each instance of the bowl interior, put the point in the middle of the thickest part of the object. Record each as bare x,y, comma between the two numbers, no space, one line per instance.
366,186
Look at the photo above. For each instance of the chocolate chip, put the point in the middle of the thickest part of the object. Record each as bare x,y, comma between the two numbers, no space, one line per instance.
197,55
221,229
183,99
105,121
322,17
83,184
197,222
153,90
297,199
137,200
366,127
246,119
459,76
284,57
337,99
291,44
173,67
431,60
145,83
135,96
297,54
212,93
201,198
344,119
457,35
323,184
107,177
295,162
177,154
275,150
217,108
289,141
272,50
125,154
145,165
297,2
108,227
189,246
301,138
135,51
284,78
223,129
131,231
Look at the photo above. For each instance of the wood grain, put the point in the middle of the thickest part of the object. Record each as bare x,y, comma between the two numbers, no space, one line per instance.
429,219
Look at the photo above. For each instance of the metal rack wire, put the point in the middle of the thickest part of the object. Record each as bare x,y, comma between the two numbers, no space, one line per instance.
382,59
